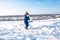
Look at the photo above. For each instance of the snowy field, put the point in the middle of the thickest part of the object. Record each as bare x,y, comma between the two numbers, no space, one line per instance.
38,30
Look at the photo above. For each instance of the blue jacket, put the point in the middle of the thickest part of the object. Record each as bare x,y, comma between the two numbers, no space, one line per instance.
26,18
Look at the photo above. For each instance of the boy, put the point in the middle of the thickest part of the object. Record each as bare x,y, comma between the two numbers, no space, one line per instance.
26,18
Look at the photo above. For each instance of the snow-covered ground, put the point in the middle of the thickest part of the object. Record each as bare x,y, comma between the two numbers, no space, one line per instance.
38,30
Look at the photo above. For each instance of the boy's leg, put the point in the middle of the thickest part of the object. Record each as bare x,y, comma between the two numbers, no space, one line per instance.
27,26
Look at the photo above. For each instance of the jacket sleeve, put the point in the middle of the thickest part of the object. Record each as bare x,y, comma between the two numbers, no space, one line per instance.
28,18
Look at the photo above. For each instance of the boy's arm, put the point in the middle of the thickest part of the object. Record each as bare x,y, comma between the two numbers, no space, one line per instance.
28,18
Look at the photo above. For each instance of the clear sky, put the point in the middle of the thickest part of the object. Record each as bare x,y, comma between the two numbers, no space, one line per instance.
18,7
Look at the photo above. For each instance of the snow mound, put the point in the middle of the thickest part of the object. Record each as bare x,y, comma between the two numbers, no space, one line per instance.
37,30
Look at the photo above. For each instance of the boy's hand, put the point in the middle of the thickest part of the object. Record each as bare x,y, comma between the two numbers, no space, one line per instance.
30,20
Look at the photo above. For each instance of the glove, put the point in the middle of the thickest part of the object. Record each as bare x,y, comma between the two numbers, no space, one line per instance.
30,21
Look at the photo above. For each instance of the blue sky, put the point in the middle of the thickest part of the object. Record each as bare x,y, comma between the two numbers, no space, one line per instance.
18,7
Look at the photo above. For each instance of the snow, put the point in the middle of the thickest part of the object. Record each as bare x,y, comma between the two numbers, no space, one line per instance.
38,30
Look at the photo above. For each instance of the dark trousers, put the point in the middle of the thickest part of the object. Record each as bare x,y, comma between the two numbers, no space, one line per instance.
26,24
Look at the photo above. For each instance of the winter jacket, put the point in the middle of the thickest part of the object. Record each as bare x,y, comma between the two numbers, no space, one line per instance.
26,18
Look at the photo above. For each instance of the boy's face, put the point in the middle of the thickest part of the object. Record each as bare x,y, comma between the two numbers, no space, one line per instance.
27,15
